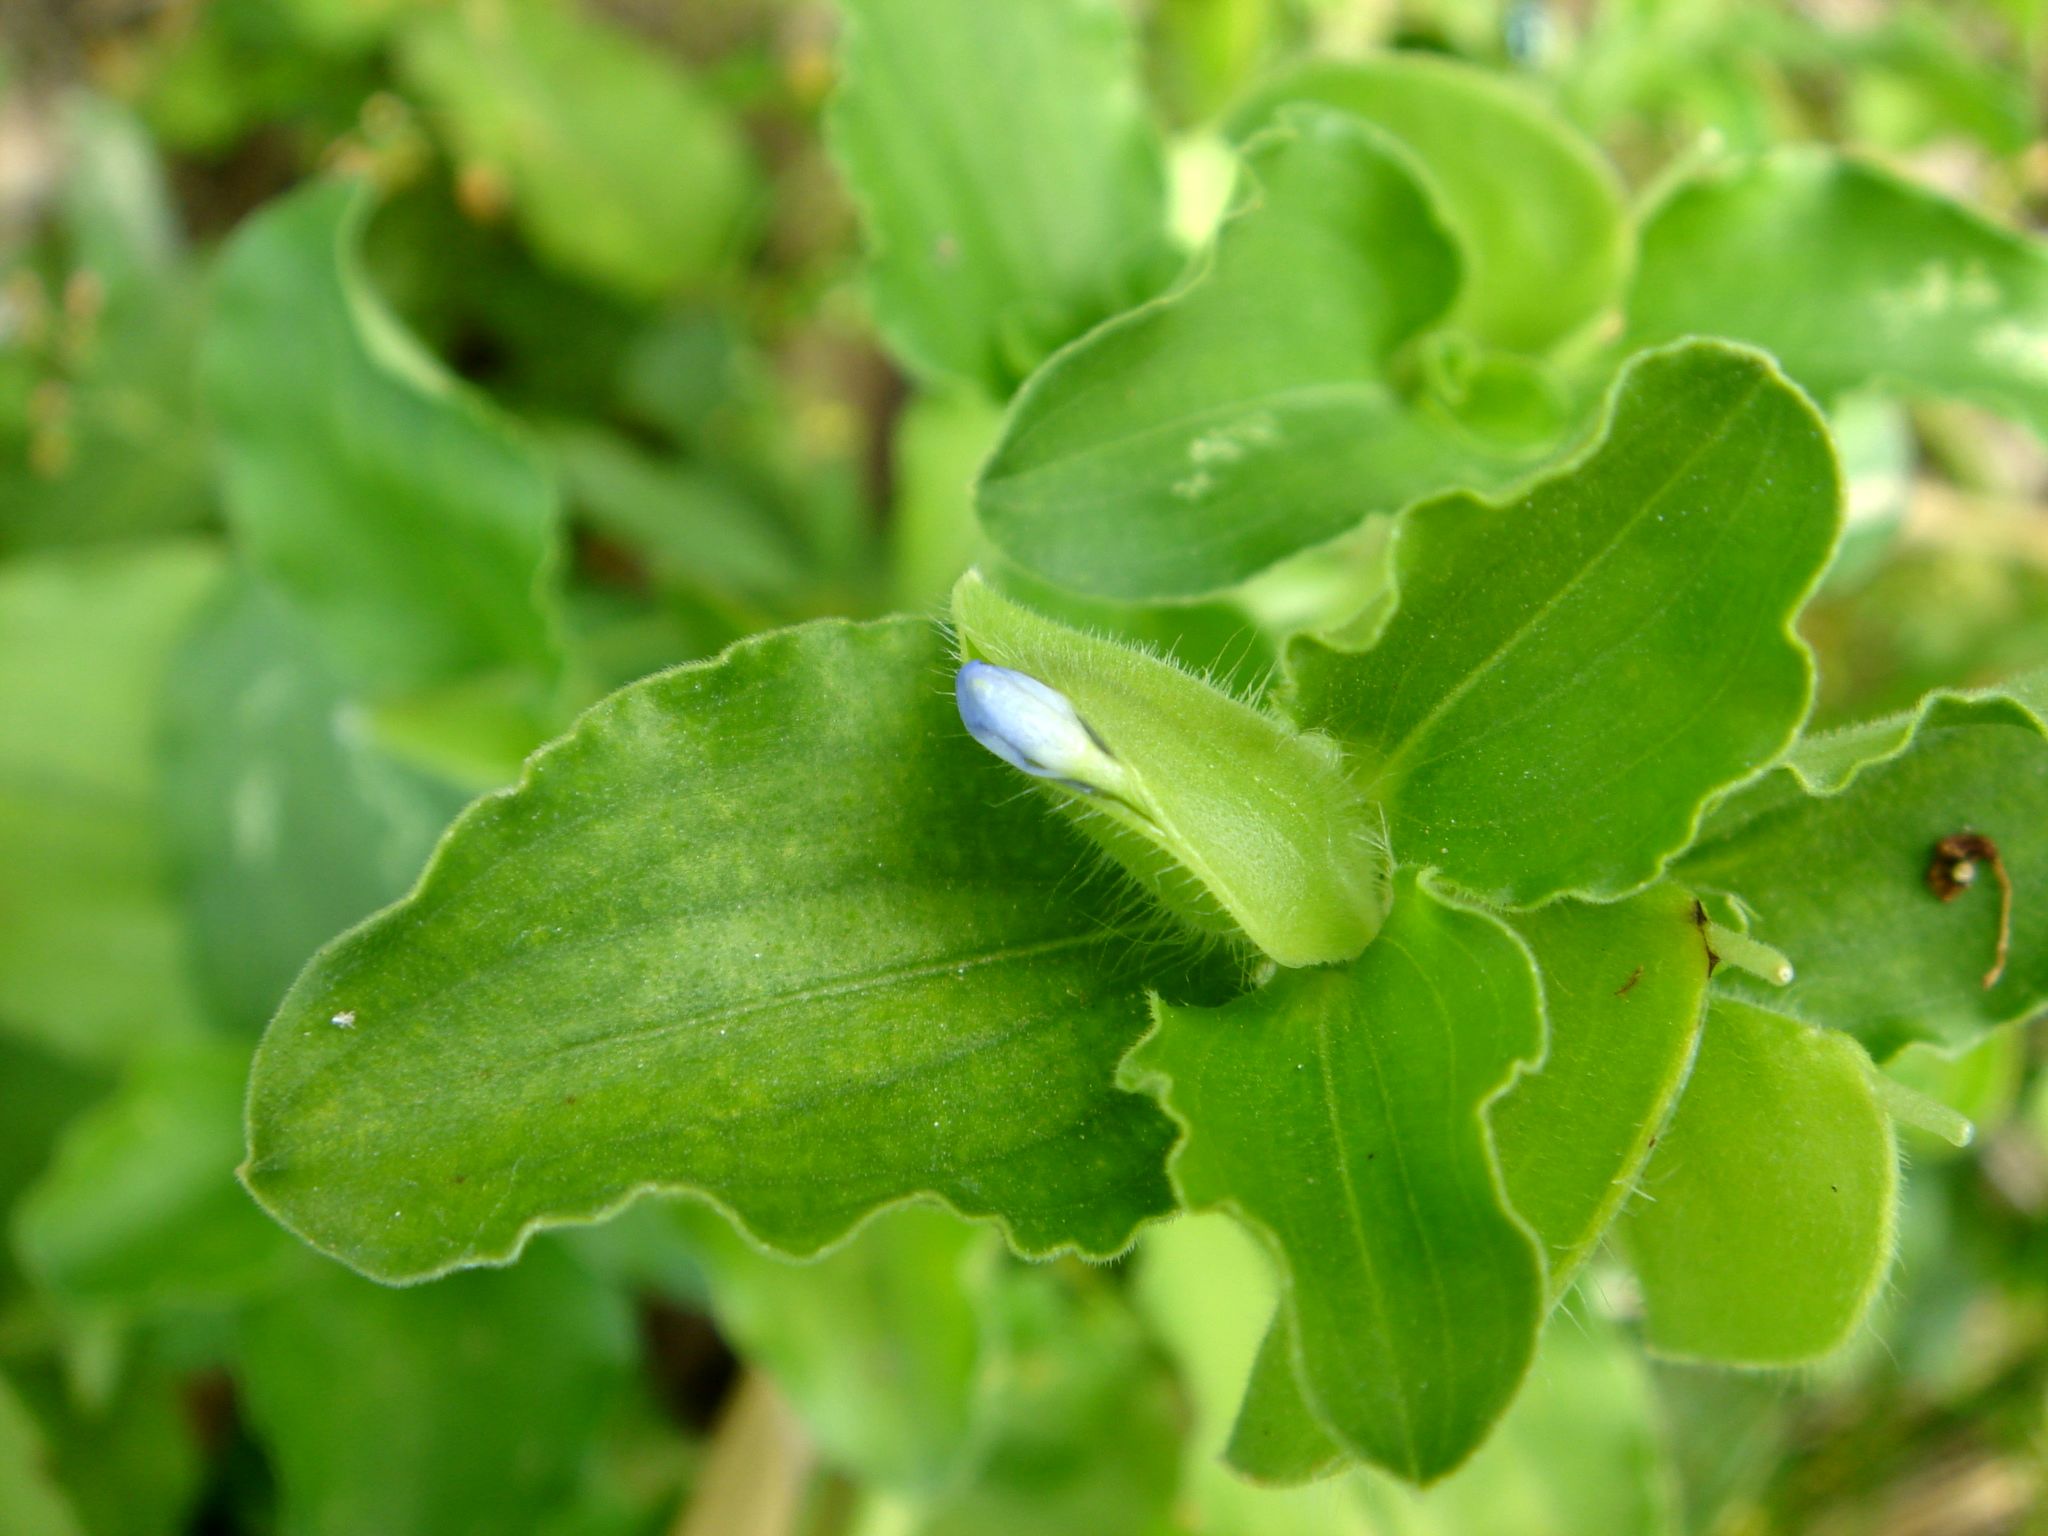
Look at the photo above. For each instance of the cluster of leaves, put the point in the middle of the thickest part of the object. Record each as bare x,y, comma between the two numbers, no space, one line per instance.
1424,531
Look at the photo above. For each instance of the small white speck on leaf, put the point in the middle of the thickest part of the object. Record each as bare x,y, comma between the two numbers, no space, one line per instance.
346,1019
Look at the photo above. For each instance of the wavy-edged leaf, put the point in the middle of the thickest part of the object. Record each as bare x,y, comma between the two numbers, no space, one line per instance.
470,1405
619,167
92,956
1340,1112
139,1208
1251,413
1764,1225
404,519
1235,819
1571,674
1013,185
771,929
1830,855
1871,279
1624,989
1538,214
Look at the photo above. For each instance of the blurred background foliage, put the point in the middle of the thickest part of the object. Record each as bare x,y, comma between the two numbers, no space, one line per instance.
602,305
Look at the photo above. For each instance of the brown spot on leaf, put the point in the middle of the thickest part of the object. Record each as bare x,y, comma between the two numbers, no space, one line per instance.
1952,870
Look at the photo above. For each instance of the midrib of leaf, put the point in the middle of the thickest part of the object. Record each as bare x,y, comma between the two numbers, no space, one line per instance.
1455,694
876,981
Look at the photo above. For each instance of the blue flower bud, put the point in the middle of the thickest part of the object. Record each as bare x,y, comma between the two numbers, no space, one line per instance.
1033,727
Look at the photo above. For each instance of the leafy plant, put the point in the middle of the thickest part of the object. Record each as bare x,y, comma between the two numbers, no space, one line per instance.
1358,833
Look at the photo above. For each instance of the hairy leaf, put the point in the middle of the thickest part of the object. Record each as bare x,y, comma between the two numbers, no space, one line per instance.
1537,213
1831,857
407,523
1850,276
618,167
1252,412
1624,988
1235,819
1012,185
1764,1226
1570,675
771,929
1340,1113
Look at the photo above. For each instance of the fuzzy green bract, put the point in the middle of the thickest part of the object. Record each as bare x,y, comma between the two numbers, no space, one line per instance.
1235,820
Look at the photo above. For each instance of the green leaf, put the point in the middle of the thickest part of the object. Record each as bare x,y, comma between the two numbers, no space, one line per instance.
407,523
1624,988
1571,674
1277,1439
1012,184
1764,1226
470,1405
1252,412
1538,215
34,1503
619,168
771,929
287,822
1850,276
876,1344
1235,820
1341,1114
1831,855
84,642
140,1207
